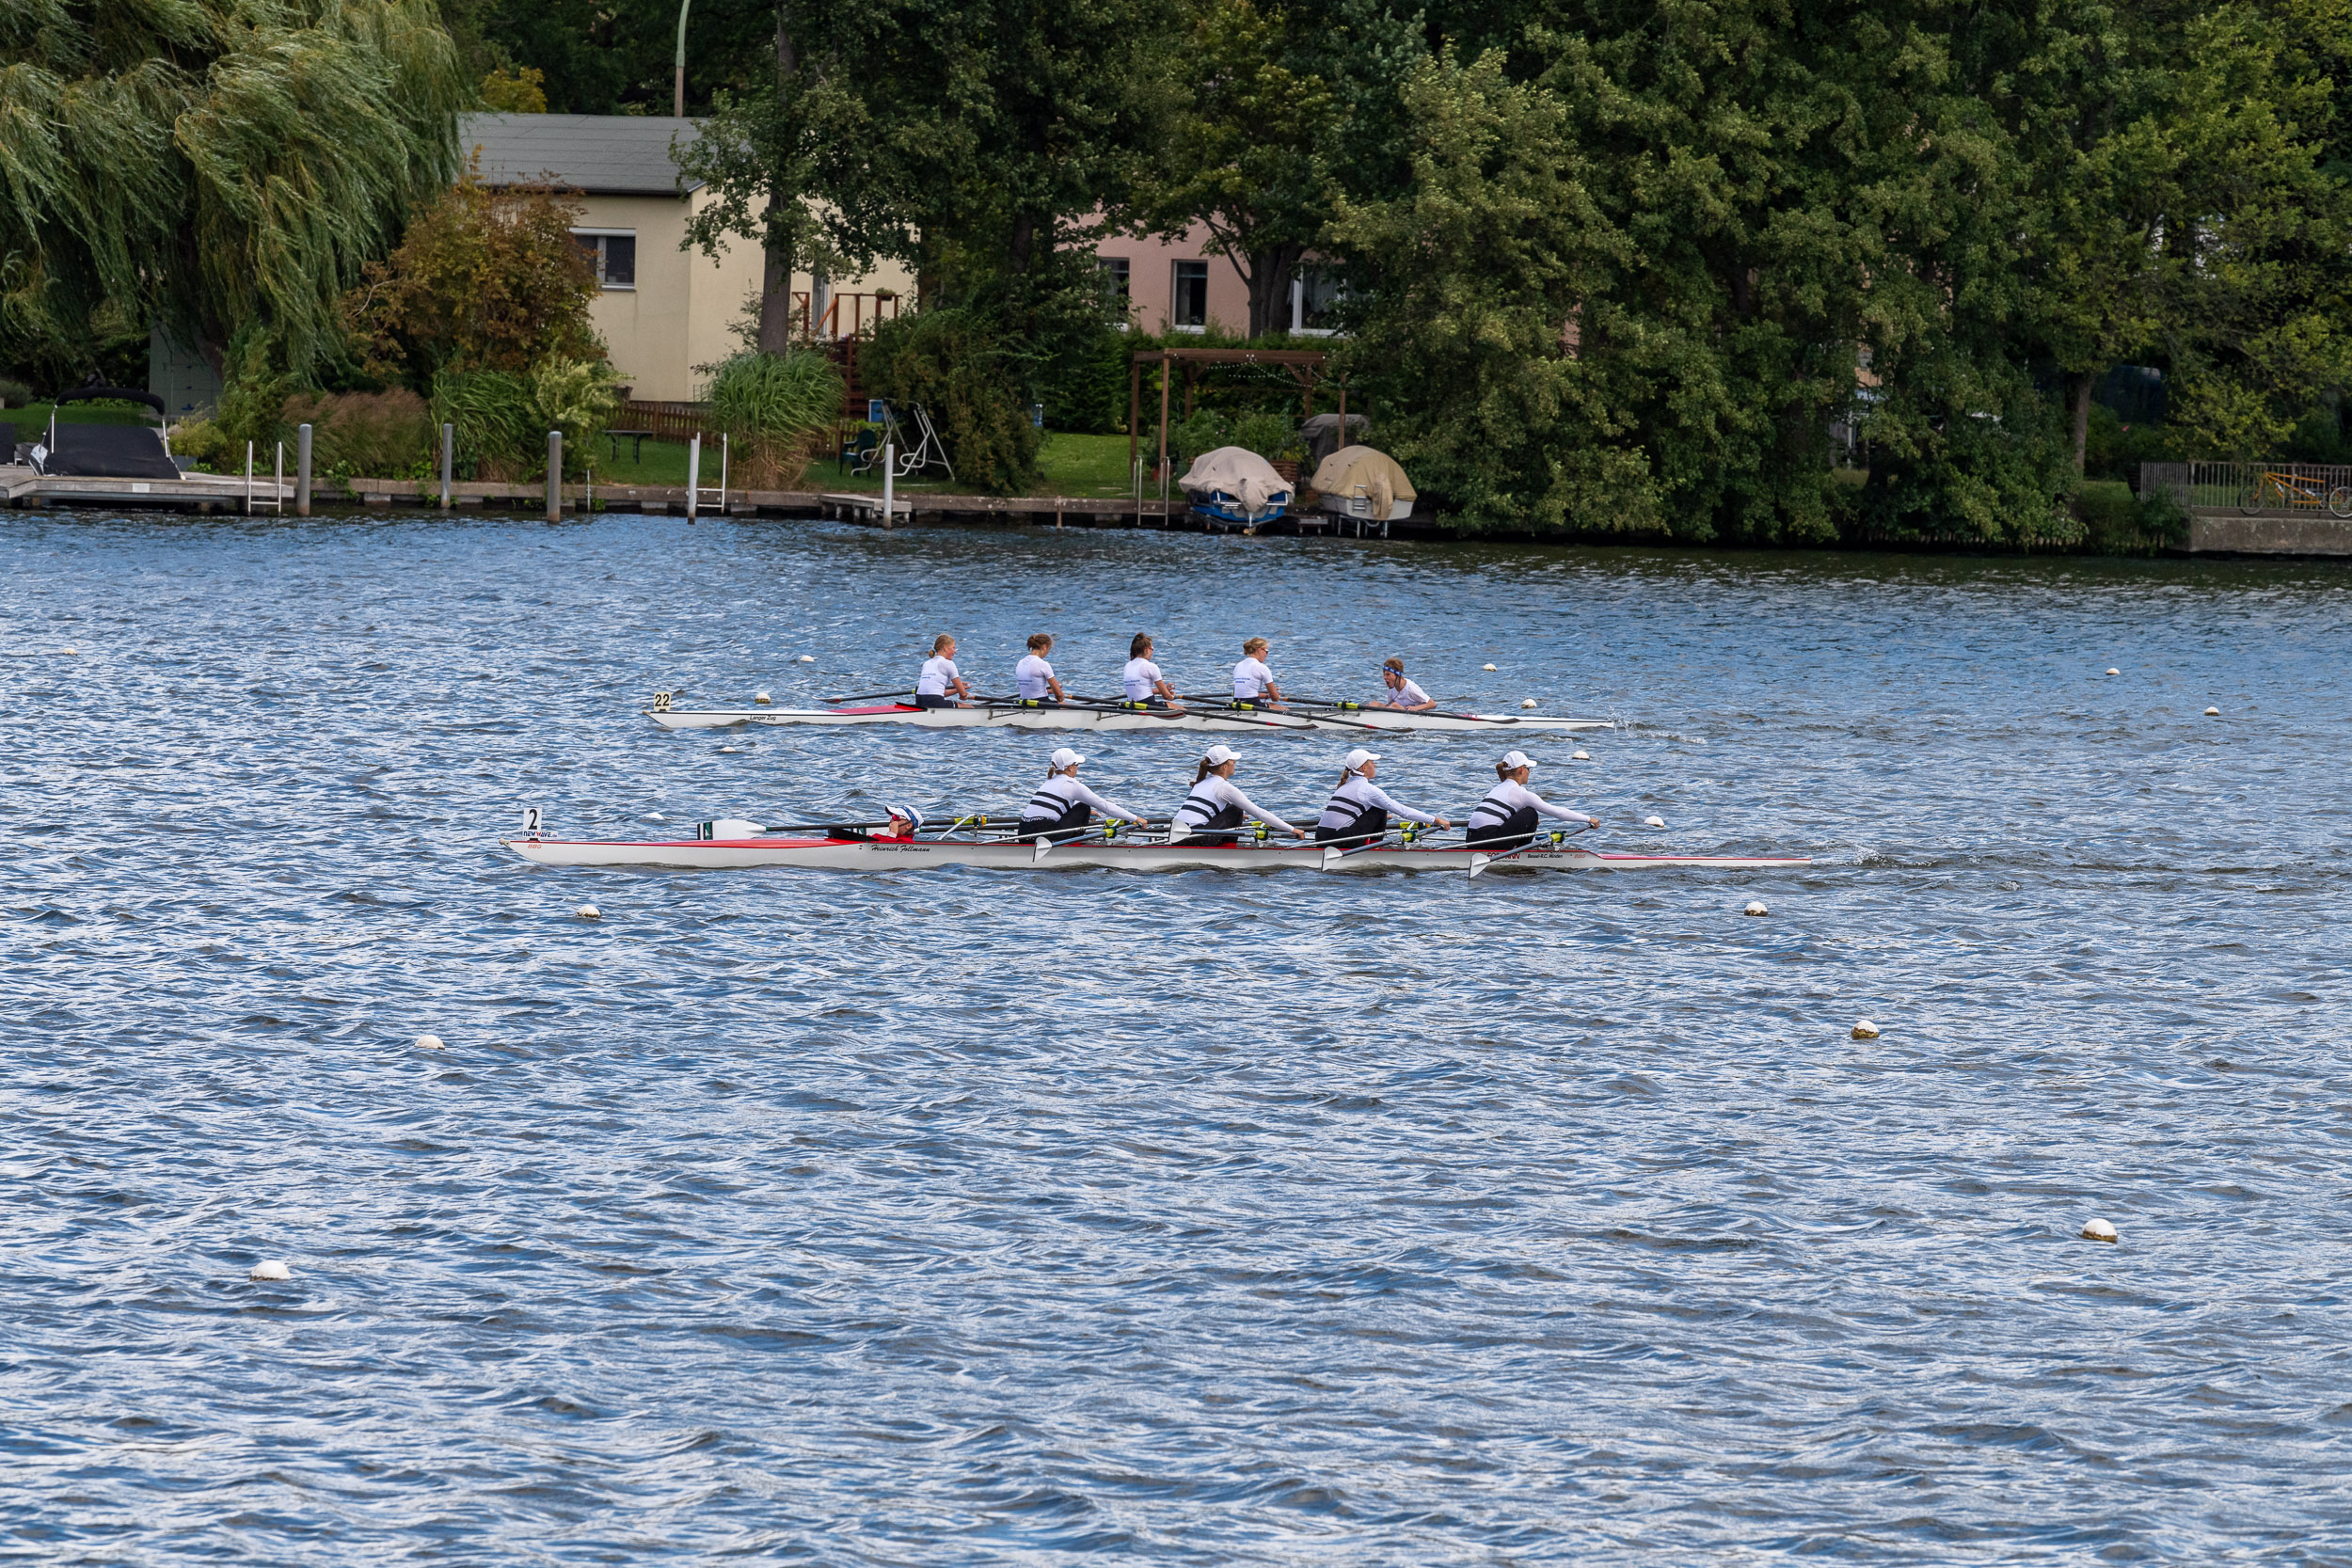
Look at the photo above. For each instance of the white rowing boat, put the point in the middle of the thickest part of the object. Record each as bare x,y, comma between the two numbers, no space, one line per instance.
1104,715
924,854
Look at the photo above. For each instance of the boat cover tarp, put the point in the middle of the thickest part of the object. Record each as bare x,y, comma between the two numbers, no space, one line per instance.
1323,437
1239,473
1365,471
110,452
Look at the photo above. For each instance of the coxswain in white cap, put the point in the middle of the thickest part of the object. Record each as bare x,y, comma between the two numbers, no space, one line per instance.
1509,812
1062,807
941,684
1253,679
1402,692
1034,675
1216,804
1359,810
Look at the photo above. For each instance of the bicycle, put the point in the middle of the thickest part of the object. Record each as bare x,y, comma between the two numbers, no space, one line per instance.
2287,491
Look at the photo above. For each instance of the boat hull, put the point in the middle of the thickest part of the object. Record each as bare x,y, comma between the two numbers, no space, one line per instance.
820,854
1009,716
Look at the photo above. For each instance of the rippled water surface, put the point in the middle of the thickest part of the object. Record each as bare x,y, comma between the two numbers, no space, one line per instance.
979,1217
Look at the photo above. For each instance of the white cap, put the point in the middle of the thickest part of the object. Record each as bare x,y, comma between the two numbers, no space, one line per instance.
1355,759
1065,757
1518,759
1217,756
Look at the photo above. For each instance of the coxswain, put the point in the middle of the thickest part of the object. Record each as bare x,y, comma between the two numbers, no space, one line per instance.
1062,807
1036,676
1252,681
1142,679
1507,815
1402,693
1359,810
1215,807
941,684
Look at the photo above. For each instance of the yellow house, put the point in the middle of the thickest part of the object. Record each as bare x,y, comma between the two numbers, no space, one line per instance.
663,308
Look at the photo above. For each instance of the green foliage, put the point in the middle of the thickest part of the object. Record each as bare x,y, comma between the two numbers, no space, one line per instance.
14,393
369,435
577,397
516,91
1088,394
213,164
496,423
208,445
486,278
954,363
2116,522
1271,435
777,410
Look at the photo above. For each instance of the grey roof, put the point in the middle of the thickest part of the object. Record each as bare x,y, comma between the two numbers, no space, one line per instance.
598,154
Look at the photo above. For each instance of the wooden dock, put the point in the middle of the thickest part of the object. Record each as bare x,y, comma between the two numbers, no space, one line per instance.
19,485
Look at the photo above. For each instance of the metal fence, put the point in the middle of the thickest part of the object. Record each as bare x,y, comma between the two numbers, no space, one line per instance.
2288,488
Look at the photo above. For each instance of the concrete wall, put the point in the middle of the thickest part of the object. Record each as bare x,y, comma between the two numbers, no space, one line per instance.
2272,534
684,306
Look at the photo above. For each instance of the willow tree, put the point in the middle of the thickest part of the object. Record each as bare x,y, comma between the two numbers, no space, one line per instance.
224,169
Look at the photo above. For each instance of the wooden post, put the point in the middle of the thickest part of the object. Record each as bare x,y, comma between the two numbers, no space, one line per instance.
1134,411
1343,440
302,470
1165,367
449,458
890,476
694,473
248,479
555,476
1191,371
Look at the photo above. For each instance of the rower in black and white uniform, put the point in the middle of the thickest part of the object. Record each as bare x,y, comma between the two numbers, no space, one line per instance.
941,684
1141,679
1215,806
1359,810
1506,818
1062,808
1034,675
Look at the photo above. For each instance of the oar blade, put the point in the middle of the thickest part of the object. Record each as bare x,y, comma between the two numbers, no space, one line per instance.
1044,848
1480,863
1332,855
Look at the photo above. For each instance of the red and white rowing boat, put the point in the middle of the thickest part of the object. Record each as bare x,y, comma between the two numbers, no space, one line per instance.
1109,716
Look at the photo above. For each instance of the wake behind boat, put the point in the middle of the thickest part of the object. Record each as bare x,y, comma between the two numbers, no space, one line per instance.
1017,714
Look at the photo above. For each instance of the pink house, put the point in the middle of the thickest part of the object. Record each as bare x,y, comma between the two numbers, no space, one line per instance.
1189,285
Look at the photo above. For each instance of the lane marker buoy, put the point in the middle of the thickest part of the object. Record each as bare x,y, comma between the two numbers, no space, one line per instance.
655,817
761,699
272,1269
430,1043
1527,702
1865,1030
1486,666
589,912
2212,713
2113,671
808,659
1653,821
726,748
2098,1230
1580,756
1756,906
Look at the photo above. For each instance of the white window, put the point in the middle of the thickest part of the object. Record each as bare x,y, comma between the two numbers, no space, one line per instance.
1314,295
615,251
1115,270
1188,300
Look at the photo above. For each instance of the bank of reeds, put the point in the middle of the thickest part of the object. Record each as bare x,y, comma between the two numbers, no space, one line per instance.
777,410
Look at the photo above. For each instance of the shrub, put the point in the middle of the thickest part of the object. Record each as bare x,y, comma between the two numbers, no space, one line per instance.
577,397
2115,522
376,435
211,446
495,420
951,363
14,393
776,409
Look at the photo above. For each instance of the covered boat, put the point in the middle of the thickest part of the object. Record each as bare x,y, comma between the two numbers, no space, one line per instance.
1235,488
1365,485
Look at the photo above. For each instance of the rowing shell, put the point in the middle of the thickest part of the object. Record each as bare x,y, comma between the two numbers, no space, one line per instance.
1008,716
833,854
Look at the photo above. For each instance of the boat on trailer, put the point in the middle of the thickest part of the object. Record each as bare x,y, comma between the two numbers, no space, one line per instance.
859,851
1013,713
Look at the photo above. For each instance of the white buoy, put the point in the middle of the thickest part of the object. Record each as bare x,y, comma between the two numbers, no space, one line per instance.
1654,821
726,748
1580,756
761,699
808,659
589,912
655,817
2098,1230
1756,906
430,1043
1865,1030
68,650
2112,671
272,1269
1481,667
2212,713
1527,702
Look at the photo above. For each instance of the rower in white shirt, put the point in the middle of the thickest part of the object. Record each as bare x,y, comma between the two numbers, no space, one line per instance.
1359,810
1253,682
1215,806
941,684
1507,815
1142,679
1034,675
1402,693
1062,808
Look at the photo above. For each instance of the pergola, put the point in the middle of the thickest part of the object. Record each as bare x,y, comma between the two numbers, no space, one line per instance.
1304,365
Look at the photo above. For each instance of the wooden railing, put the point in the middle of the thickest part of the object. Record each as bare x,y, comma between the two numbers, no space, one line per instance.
669,421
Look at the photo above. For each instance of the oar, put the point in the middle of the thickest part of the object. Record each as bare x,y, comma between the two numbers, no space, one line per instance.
1553,836
1222,707
867,697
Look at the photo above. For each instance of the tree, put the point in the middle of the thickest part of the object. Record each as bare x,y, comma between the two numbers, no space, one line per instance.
225,167
1243,153
484,279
